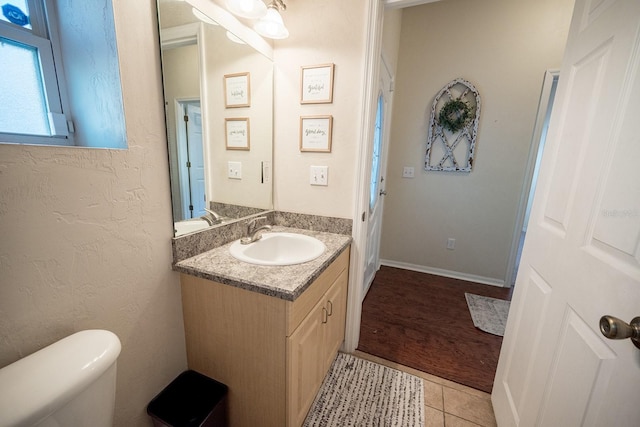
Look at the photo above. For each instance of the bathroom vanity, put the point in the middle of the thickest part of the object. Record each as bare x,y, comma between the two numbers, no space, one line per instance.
270,333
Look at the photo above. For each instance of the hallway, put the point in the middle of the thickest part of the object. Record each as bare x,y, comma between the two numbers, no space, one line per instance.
422,321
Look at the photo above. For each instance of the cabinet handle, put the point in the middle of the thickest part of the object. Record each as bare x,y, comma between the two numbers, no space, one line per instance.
325,315
330,307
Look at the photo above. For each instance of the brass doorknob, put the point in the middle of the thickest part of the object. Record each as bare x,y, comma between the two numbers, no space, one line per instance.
616,329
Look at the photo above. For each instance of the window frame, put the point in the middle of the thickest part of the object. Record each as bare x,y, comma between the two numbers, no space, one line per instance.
43,36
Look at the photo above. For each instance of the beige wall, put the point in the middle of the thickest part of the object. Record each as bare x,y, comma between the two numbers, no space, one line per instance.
328,31
503,48
86,236
391,30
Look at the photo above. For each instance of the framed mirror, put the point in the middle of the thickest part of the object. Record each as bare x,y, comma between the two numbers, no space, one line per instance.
213,77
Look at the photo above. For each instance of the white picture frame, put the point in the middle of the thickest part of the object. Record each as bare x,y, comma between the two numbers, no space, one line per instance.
316,133
237,133
316,84
237,90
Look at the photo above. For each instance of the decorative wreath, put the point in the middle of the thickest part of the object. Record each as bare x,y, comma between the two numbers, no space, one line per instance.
454,115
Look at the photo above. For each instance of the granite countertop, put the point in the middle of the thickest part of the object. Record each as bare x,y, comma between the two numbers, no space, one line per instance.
285,282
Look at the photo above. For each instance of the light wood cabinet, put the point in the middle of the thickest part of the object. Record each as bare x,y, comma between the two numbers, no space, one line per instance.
312,348
271,353
337,314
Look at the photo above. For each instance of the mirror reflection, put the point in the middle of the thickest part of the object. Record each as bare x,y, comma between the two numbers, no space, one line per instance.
218,101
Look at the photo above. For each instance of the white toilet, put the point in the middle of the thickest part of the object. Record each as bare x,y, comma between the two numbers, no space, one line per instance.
71,383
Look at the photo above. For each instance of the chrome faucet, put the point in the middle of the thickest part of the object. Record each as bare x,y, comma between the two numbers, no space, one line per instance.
254,233
211,217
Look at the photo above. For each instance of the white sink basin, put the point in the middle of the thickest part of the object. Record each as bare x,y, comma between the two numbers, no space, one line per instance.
278,249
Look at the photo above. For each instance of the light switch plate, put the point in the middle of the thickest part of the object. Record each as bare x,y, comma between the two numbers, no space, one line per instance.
266,172
407,172
318,175
235,170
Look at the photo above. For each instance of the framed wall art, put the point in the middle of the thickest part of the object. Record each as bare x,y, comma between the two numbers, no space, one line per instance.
316,84
237,90
315,133
237,133
453,128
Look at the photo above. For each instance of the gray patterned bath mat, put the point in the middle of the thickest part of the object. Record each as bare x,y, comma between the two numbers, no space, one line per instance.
360,393
488,314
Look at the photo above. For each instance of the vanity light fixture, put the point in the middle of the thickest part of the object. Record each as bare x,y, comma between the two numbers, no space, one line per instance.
272,25
251,9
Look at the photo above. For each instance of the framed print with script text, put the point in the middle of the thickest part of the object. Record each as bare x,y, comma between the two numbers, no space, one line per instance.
237,133
316,84
315,133
237,90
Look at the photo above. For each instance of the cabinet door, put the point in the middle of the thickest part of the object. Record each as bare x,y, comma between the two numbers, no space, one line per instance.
305,362
336,304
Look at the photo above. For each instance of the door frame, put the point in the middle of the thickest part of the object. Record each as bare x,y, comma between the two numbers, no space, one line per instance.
375,17
542,115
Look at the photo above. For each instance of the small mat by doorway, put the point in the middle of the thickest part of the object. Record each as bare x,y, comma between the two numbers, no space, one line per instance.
488,314
357,392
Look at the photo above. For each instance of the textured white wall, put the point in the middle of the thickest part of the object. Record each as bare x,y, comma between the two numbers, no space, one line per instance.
91,72
503,48
86,236
328,31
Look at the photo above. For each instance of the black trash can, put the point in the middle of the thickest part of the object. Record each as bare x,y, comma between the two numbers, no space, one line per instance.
191,400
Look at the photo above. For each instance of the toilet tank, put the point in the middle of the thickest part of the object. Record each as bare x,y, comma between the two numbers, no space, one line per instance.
69,383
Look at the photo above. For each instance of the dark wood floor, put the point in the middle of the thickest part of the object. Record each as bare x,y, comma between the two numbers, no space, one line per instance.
422,321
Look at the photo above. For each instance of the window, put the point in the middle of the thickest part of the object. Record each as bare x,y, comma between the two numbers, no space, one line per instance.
60,80
31,96
375,158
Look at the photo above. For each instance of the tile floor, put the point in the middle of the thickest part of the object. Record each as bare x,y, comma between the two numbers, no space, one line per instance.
447,404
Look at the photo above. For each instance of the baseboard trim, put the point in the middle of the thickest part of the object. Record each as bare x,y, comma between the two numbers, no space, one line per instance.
445,273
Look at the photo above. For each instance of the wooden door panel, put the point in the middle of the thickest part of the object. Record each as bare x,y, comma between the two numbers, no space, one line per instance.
524,350
305,359
583,97
582,364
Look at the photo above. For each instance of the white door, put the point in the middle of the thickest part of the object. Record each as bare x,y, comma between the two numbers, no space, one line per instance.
581,258
196,159
190,158
378,168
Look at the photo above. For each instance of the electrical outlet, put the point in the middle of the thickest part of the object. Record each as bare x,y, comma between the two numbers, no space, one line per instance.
234,170
407,172
451,244
318,175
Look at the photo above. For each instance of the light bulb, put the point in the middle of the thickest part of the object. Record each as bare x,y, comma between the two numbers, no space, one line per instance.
251,9
271,25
